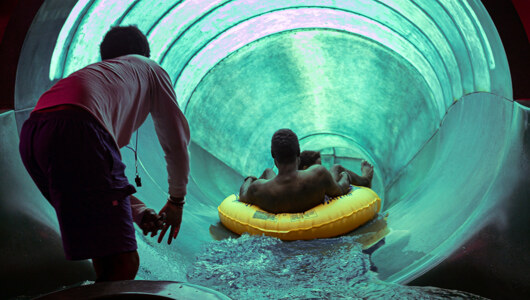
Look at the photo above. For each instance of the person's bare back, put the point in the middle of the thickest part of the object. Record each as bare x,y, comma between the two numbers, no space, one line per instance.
292,190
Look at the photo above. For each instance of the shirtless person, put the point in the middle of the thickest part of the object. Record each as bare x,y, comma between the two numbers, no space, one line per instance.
291,191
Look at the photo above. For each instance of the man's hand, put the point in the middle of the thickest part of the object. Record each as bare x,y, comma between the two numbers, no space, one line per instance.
344,182
151,222
347,175
252,179
172,214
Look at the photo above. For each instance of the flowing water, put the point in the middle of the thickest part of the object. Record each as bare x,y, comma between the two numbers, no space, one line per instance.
261,267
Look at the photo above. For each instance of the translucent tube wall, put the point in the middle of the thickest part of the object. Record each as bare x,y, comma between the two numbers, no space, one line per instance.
415,87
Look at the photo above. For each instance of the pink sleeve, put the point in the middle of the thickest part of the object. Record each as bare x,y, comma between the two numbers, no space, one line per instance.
138,208
173,132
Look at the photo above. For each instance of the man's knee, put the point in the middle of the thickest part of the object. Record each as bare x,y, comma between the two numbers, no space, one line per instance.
122,266
336,168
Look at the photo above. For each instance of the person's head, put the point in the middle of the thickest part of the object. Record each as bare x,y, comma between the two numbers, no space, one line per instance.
309,158
124,40
284,146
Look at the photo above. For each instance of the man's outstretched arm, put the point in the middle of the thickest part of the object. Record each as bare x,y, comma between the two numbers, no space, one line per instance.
364,180
334,188
173,133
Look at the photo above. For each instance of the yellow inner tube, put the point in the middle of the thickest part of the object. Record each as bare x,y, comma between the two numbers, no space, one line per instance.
341,215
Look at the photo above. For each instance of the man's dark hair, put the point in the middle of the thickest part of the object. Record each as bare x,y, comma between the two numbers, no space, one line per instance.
284,146
308,158
124,40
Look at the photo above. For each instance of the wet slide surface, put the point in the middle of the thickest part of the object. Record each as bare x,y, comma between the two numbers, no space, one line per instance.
265,267
429,107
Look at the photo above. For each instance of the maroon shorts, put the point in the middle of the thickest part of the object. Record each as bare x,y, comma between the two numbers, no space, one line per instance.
77,167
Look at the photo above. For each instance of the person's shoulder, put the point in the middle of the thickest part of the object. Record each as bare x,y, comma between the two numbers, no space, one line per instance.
139,60
317,169
318,173
151,64
258,186
147,64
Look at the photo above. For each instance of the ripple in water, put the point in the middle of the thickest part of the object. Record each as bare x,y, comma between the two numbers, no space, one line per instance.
261,267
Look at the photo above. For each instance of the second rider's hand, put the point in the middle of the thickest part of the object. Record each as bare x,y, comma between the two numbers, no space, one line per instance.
172,213
345,182
345,174
151,222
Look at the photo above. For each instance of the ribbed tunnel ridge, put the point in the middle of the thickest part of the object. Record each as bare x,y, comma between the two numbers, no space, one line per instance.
411,86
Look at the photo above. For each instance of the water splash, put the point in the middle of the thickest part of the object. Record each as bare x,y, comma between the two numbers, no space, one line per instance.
260,267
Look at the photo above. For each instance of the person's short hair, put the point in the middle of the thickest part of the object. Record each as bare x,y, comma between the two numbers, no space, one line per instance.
308,158
284,146
124,40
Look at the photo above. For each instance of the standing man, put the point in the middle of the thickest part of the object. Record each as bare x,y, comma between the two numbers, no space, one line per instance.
70,147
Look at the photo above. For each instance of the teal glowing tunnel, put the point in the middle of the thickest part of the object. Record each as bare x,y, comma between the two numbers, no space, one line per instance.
421,89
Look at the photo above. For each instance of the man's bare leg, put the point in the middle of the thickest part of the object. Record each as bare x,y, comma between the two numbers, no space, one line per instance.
122,266
364,180
367,171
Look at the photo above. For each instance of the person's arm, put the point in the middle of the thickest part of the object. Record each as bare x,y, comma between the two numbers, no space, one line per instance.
244,190
146,218
138,209
334,188
355,179
344,182
268,174
251,192
172,215
173,134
